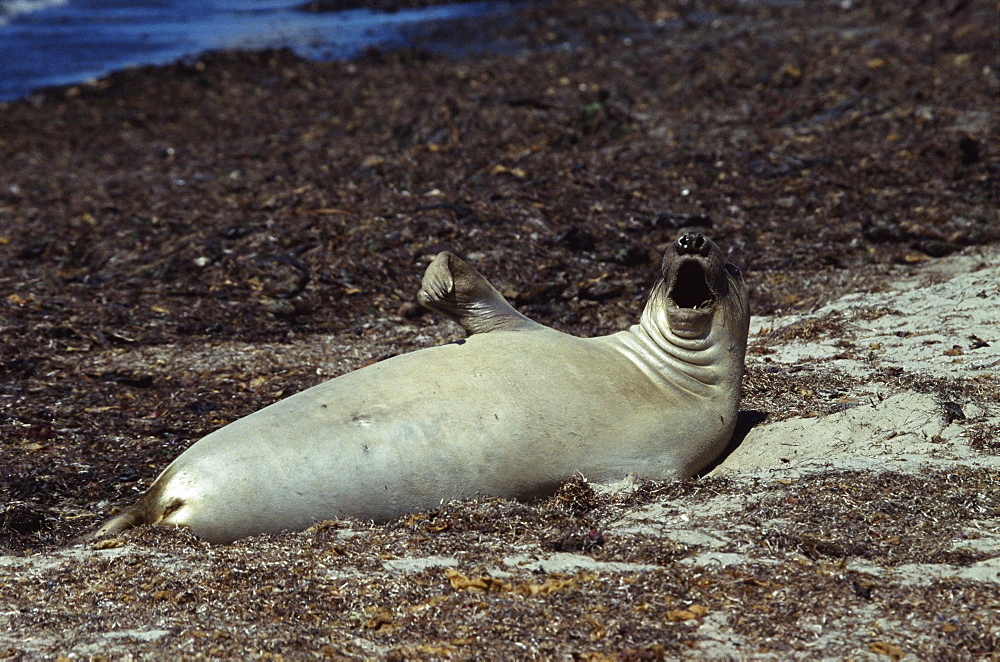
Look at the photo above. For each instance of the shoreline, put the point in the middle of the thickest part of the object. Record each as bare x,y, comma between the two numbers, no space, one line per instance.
58,55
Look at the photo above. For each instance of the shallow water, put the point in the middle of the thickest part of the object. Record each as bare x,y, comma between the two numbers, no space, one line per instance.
56,42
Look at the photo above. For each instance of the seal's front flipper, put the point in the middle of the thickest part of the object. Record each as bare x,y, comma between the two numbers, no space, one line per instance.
457,291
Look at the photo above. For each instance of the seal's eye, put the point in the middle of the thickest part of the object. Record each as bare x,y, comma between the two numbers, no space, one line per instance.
732,270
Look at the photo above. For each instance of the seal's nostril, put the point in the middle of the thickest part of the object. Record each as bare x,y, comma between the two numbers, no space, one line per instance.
688,244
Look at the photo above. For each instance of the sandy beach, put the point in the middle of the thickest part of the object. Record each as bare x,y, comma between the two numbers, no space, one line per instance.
183,245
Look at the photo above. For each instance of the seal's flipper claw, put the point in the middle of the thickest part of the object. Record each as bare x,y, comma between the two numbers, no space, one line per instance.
456,290
437,283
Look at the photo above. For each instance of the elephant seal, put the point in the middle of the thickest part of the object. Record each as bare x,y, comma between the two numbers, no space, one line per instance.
511,411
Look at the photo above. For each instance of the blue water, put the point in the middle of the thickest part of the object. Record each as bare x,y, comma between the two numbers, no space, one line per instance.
58,42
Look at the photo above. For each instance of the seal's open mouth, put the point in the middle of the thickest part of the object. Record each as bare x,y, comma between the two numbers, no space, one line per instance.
690,288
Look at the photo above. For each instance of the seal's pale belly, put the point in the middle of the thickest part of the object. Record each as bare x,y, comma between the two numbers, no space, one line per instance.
510,414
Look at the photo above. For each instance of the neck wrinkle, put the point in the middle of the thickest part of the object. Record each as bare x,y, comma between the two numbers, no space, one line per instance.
696,351
667,365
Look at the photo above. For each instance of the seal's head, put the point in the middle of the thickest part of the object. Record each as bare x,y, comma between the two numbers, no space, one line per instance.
699,289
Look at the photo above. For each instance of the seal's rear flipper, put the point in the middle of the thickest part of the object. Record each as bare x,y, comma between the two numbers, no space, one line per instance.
124,521
139,514
459,292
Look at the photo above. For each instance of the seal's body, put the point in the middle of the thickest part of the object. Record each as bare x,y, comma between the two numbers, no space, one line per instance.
512,411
